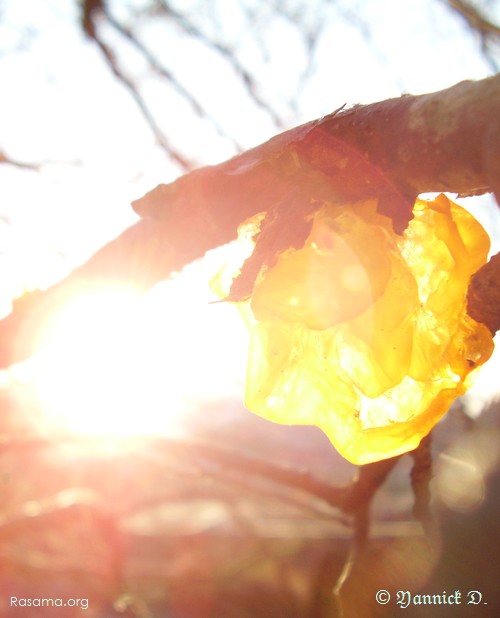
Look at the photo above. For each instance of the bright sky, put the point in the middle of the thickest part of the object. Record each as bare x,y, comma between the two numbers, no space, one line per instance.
60,106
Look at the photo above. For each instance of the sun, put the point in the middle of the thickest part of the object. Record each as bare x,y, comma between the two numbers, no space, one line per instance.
113,362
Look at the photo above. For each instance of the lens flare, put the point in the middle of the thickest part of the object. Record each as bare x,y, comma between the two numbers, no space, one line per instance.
116,363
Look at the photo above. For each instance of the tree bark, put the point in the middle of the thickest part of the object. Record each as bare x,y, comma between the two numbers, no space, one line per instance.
390,151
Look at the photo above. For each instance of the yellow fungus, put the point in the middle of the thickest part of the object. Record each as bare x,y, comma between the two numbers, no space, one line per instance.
365,333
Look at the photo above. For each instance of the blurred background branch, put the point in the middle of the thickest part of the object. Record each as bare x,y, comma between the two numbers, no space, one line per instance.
479,22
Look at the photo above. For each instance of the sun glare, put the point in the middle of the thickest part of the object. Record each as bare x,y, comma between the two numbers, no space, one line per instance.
113,362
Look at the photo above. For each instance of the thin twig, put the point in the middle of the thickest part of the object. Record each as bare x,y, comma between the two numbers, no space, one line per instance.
230,57
479,23
91,10
170,77
4,159
421,476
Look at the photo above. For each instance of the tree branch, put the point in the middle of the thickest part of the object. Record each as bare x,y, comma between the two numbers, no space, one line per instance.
4,159
91,9
229,56
483,299
390,151
478,22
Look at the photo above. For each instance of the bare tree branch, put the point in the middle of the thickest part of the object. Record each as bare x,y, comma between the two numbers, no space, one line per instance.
184,163
475,18
390,151
349,499
228,55
4,159
91,10
483,300
169,77
478,22
421,476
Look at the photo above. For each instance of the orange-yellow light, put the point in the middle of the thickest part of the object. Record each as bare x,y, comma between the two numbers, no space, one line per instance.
116,363
364,333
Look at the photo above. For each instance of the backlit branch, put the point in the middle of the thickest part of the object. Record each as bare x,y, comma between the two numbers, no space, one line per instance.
389,151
